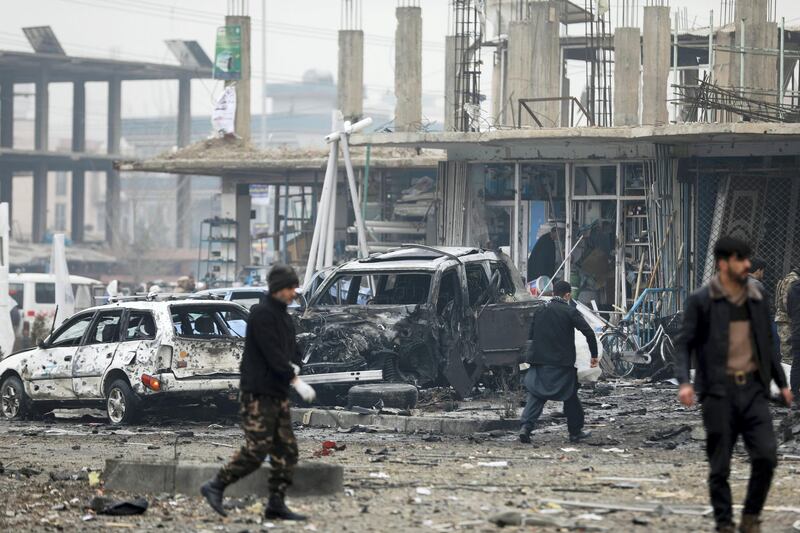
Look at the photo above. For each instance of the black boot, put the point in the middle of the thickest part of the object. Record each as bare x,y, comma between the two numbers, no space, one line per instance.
276,509
525,438
580,436
212,490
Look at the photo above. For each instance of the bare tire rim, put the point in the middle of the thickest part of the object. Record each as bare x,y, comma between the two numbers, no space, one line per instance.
116,405
10,401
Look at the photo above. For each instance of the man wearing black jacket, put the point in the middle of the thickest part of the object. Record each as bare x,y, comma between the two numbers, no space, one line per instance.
793,310
270,365
552,375
727,329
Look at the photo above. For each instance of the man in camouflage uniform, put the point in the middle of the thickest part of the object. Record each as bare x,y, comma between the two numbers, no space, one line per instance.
782,318
269,367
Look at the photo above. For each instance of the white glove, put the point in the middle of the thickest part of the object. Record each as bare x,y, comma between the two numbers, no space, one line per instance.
305,390
296,369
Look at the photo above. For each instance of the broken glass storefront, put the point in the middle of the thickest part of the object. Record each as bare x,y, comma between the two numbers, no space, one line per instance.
598,212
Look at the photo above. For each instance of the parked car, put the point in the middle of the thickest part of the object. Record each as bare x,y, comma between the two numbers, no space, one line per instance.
35,294
129,355
430,316
244,296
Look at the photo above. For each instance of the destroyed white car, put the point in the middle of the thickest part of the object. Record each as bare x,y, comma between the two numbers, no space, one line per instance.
422,315
129,355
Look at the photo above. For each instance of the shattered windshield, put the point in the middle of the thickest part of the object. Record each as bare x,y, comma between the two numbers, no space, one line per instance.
390,288
209,321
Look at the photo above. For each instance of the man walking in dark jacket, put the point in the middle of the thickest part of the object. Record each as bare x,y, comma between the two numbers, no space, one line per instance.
727,329
552,375
793,311
270,365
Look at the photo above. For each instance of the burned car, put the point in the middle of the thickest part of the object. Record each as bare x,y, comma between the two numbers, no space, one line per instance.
129,355
422,315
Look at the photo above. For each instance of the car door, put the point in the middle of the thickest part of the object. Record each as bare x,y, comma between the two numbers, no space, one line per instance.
209,339
50,369
93,357
138,342
504,326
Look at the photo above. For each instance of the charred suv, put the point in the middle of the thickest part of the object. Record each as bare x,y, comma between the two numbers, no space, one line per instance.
129,355
417,314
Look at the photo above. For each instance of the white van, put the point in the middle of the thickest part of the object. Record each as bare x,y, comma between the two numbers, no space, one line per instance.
35,294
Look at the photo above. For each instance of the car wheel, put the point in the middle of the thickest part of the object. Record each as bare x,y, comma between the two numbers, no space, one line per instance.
14,402
122,405
397,395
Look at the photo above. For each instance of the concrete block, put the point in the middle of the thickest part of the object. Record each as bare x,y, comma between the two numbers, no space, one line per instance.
310,478
317,418
139,477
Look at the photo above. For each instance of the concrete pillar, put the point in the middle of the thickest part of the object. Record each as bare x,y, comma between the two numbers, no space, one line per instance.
243,207
242,121
408,69
655,65
112,176
760,71
351,74
276,219
6,140
78,208
546,62
519,70
566,104
450,83
183,194
534,66
690,78
627,76
40,136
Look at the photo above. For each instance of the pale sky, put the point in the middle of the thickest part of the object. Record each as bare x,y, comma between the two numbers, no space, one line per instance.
301,34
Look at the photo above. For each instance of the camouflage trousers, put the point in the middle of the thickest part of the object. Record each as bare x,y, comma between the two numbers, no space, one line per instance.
267,426
785,336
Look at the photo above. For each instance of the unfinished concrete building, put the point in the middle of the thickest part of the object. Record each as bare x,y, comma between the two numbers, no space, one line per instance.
663,138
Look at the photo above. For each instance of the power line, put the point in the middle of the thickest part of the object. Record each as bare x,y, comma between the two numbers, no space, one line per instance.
209,18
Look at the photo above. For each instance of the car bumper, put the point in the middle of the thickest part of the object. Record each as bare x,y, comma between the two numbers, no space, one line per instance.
208,387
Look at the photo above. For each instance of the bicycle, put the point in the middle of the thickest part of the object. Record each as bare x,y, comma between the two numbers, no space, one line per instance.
623,354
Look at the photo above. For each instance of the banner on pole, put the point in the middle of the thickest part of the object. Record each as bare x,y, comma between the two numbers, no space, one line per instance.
223,117
228,53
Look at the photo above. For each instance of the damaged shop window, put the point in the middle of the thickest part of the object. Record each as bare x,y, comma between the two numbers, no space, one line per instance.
208,322
378,289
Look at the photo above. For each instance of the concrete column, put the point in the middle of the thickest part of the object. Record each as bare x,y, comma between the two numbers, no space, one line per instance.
519,70
6,140
351,74
276,219
408,69
78,208
655,65
112,176
627,76
546,62
40,136
242,121
760,71
450,83
183,194
243,207
566,104
534,66
690,77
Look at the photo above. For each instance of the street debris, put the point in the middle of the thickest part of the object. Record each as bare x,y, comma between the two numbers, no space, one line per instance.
112,507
